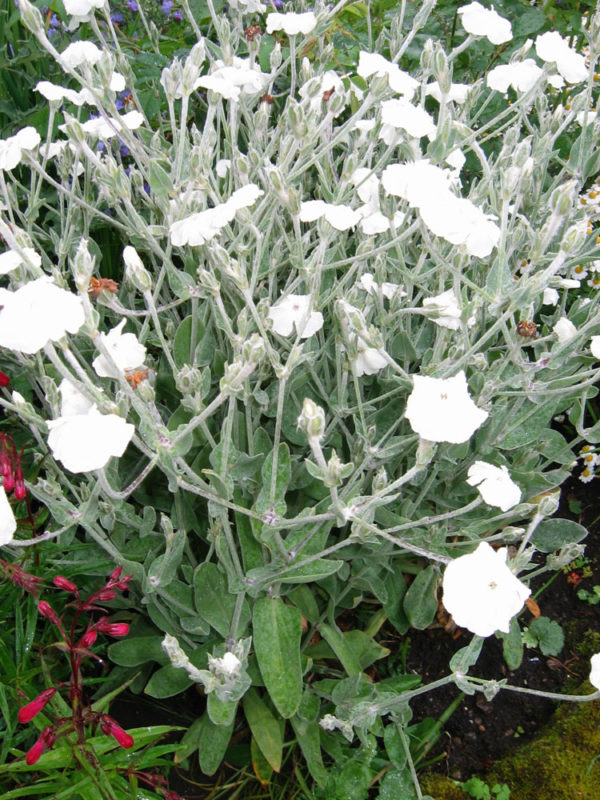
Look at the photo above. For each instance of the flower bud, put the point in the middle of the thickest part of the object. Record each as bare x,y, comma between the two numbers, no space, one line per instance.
32,18
88,638
562,198
112,628
135,272
4,379
31,710
312,420
442,70
548,504
48,612
82,266
275,58
111,727
20,489
64,584
46,739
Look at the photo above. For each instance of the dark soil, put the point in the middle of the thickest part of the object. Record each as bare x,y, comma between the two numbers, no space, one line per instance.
479,732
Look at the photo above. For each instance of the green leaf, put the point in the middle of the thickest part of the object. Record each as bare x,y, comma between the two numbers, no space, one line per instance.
164,568
213,601
160,182
552,534
420,601
549,634
342,648
397,784
265,728
512,645
212,744
221,712
277,631
167,682
363,646
182,344
132,652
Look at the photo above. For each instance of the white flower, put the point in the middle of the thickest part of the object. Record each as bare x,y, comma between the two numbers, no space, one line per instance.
388,290
375,64
412,119
222,167
550,297
587,475
448,311
586,118
369,360
125,350
595,672
79,8
595,346
227,666
37,313
8,523
521,75
565,330
11,149
456,159
441,409
72,401
231,80
458,92
292,23
12,259
78,53
481,21
248,6
481,592
101,128
87,441
495,485
53,92
459,221
340,217
552,47
294,311
417,182
197,229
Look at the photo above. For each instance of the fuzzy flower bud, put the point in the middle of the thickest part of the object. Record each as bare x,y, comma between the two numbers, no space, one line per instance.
82,266
88,638
31,710
135,272
312,420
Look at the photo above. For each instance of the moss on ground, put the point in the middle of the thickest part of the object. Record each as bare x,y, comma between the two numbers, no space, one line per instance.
562,763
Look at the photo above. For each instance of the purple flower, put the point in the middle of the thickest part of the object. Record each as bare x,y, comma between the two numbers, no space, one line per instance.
166,7
146,187
116,18
177,16
124,150
132,5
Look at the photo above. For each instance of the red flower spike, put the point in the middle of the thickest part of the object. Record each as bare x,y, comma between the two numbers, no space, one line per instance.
63,583
112,628
46,739
48,612
28,712
4,379
111,727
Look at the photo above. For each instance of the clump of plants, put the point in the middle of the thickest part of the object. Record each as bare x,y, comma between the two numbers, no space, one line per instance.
323,380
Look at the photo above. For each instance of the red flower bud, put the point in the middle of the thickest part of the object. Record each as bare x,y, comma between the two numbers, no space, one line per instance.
88,638
9,482
4,379
20,490
112,728
115,574
46,739
105,594
63,583
112,628
47,611
28,712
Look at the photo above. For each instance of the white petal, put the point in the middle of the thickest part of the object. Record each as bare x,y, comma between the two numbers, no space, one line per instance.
8,523
494,484
87,441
